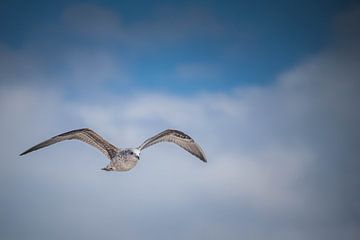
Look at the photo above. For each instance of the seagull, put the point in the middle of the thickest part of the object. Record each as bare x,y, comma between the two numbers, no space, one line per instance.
124,159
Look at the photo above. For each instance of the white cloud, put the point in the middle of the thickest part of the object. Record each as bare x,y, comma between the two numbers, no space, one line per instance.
93,67
265,146
79,69
18,65
283,160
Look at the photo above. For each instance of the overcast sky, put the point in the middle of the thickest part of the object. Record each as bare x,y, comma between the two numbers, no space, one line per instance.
270,92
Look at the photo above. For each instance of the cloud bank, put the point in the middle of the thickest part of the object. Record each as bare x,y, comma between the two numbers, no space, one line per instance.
283,158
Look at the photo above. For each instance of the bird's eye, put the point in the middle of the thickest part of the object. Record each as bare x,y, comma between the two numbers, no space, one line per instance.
131,153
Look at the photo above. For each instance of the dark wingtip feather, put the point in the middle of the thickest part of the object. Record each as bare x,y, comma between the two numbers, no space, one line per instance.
202,158
200,154
34,148
27,151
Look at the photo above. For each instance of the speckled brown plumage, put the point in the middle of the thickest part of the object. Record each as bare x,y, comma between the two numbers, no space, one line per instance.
124,159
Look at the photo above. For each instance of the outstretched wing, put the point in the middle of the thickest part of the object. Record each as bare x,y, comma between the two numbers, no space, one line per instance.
179,138
86,135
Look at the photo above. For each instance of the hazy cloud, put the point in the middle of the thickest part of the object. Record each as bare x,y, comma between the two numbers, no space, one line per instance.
93,21
190,72
171,25
274,155
283,158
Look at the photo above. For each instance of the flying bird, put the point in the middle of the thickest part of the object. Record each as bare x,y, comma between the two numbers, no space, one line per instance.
124,159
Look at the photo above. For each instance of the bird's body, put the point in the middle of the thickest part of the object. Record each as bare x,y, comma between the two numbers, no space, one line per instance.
124,160
127,158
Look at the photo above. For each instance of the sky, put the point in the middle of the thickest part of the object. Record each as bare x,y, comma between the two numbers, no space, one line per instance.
269,90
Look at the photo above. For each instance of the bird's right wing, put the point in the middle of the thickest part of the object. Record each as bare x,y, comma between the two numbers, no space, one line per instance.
85,135
179,138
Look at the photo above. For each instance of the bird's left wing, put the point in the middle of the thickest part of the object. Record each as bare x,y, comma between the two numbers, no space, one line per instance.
85,135
179,138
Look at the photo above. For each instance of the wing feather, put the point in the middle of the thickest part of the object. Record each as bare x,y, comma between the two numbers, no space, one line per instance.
181,139
85,135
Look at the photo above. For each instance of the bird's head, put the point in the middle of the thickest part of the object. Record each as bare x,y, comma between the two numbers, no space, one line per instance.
136,152
133,152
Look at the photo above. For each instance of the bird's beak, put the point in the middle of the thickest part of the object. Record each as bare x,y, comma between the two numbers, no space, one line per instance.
105,169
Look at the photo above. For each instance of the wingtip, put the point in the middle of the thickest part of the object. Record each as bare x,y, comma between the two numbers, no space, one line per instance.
26,152
202,158
21,154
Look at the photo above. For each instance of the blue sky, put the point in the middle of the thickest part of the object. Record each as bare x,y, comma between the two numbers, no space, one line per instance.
221,45
269,90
